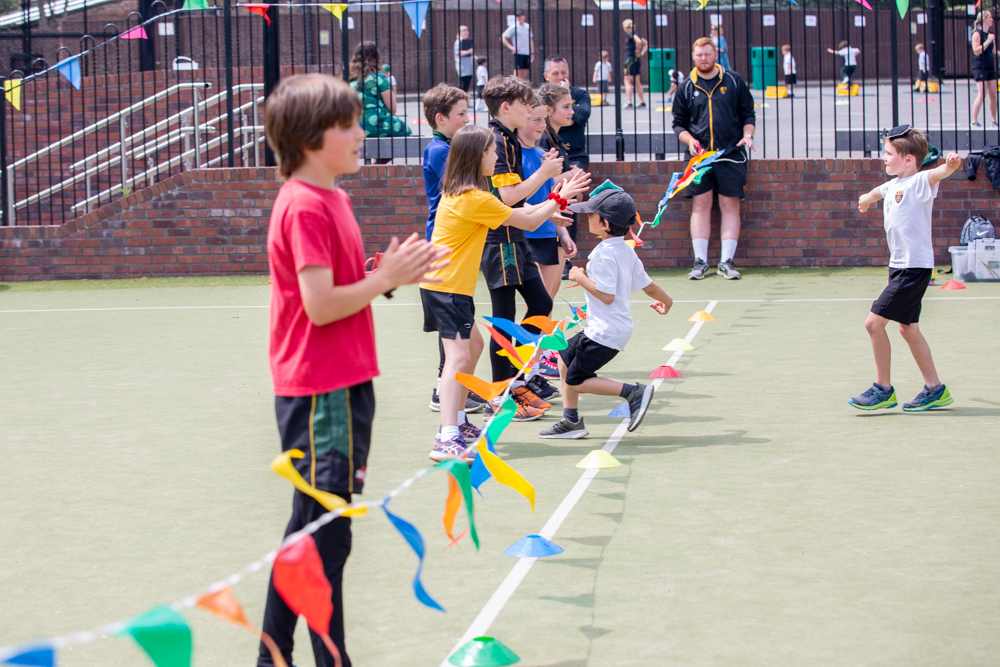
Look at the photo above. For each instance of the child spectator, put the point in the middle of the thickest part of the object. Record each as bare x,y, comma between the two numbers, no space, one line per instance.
603,76
676,79
909,206
446,109
392,80
482,78
466,212
923,67
788,63
613,272
850,56
320,301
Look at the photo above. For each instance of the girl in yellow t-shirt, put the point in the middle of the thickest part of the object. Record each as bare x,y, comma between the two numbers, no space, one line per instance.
467,210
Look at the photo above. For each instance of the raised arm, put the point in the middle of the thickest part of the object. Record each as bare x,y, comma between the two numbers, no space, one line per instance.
552,166
939,173
869,198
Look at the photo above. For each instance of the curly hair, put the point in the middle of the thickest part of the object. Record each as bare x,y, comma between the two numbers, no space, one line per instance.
364,61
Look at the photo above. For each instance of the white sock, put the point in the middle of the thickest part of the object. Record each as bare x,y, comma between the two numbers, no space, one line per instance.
728,249
449,432
517,383
700,249
439,383
461,417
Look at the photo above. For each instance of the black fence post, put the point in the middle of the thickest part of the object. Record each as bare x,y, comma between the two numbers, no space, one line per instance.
619,137
227,16
272,67
935,23
345,54
4,194
147,47
541,29
895,68
429,21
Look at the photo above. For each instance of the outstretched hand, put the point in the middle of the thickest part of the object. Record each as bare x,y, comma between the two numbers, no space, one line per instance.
409,262
573,186
659,307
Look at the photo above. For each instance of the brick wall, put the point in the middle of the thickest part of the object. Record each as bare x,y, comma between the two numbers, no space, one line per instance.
214,221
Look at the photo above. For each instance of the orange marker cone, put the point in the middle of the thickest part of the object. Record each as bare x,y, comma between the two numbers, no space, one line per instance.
665,372
953,284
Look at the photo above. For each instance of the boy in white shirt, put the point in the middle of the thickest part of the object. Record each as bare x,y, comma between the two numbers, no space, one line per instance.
613,272
676,79
909,205
482,78
923,67
788,63
603,72
850,56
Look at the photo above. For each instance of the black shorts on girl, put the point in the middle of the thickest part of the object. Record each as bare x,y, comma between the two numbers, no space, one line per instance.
583,358
545,251
451,315
900,301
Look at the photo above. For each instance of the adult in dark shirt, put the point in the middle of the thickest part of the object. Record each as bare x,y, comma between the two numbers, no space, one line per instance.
984,66
713,110
573,137
635,48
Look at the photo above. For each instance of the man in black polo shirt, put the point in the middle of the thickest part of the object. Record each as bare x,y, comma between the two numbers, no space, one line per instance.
713,110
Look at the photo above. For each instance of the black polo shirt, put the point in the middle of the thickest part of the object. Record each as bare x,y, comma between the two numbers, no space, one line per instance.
509,170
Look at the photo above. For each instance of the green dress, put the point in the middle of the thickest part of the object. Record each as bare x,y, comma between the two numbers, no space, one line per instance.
375,116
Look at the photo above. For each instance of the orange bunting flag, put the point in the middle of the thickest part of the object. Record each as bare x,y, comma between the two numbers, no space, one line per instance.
259,10
485,389
451,507
224,604
542,322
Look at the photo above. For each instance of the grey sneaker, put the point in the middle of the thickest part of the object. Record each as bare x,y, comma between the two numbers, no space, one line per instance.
728,271
976,125
929,398
566,430
472,404
874,398
638,403
699,271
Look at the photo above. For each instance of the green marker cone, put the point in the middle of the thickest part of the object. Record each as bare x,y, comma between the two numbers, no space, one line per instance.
483,652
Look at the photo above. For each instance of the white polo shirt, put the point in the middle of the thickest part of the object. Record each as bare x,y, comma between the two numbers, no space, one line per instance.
617,270
909,205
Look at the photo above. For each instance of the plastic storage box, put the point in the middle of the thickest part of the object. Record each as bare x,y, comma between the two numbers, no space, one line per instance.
960,263
977,262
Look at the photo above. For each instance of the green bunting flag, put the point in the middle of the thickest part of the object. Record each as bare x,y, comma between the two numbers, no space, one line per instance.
164,635
195,4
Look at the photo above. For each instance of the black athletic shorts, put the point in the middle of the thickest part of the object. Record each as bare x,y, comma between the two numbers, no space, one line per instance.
508,264
728,179
522,61
791,79
451,315
980,74
900,300
584,357
633,68
922,76
545,251
602,87
334,431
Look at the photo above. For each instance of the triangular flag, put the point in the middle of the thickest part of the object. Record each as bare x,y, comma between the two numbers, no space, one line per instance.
164,635
664,372
514,330
678,345
555,342
195,4
478,472
902,6
501,341
521,357
137,32
259,10
34,656
70,68
483,388
501,420
702,4
283,467
12,91
701,316
865,4
224,604
541,322
416,542
417,11
336,10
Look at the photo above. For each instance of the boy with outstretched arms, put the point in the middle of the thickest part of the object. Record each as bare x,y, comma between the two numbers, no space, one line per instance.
909,205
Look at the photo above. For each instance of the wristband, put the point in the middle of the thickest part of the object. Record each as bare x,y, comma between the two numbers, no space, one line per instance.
563,204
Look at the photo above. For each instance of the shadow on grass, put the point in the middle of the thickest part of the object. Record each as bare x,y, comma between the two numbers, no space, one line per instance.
4,288
673,443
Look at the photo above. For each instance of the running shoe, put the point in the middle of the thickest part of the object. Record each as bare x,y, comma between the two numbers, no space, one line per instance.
929,398
549,366
638,402
875,398
994,125
450,449
642,104
564,429
542,389
435,405
728,271
975,125
474,403
469,432
524,396
525,413
699,271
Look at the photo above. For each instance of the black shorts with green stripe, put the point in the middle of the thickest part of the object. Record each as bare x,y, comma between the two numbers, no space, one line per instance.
334,432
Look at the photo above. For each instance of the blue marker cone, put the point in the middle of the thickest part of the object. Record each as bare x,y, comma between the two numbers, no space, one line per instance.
621,410
533,546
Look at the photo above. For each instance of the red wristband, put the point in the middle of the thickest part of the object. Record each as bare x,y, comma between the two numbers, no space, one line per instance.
563,204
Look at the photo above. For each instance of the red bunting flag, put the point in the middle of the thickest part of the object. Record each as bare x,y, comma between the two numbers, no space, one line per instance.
259,10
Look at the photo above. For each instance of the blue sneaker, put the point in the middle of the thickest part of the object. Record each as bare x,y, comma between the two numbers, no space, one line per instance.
876,398
929,398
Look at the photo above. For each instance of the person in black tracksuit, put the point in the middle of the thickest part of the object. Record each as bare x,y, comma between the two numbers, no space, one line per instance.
984,67
713,110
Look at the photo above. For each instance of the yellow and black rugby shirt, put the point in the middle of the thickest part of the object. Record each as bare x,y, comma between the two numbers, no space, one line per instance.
509,170
714,110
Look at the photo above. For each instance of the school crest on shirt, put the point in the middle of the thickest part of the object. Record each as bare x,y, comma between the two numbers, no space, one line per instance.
722,91
899,196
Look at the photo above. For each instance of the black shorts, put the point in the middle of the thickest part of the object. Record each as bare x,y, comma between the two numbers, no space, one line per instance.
847,71
545,251
633,68
522,61
980,74
922,76
508,264
602,87
451,315
728,179
791,79
584,357
900,300
334,432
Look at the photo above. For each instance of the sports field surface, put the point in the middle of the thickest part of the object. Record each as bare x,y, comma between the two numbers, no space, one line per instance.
756,519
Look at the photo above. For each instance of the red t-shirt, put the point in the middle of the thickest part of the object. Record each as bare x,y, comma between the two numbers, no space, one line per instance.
316,227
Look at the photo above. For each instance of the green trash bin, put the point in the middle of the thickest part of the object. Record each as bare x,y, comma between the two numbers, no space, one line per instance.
763,66
661,61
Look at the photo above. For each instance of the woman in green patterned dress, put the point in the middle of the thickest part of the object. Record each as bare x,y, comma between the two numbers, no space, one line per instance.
376,94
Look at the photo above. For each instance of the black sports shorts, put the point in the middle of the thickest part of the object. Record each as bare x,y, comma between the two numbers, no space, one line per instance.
980,74
451,315
522,61
633,68
728,179
584,357
900,300
545,251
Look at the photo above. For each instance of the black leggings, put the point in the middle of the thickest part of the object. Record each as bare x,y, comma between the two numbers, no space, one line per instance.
538,301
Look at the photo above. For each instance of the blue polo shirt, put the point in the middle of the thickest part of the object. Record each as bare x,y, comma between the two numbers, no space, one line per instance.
435,158
532,160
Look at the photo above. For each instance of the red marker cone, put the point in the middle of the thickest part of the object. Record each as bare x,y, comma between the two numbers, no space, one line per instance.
953,284
665,372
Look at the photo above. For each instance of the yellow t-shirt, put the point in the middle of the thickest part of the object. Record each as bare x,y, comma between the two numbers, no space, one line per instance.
461,224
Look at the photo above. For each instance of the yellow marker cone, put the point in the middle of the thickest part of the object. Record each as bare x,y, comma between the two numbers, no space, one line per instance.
598,459
678,345
701,316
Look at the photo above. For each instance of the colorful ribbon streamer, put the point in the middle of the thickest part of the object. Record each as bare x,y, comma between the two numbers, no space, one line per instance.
416,542
514,330
460,481
38,655
259,10
164,635
282,465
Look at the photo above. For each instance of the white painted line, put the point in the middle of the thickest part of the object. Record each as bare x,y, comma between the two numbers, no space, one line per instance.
500,597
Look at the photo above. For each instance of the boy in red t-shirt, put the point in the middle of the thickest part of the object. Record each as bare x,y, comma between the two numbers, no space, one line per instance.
322,350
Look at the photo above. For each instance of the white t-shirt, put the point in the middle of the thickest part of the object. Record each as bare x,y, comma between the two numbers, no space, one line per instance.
923,61
520,36
909,205
617,270
850,55
789,64
482,76
603,69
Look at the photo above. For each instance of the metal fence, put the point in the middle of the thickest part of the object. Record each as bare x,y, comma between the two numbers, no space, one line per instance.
189,94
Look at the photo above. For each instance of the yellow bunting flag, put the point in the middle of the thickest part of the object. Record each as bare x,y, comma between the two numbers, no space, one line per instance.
283,467
336,10
12,91
504,474
524,353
